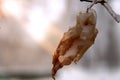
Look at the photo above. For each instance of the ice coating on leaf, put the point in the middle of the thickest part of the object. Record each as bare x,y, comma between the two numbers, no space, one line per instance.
75,41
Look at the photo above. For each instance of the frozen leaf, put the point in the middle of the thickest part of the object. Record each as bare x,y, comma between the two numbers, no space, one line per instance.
75,41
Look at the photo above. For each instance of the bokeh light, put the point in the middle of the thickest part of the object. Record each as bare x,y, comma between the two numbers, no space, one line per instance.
12,7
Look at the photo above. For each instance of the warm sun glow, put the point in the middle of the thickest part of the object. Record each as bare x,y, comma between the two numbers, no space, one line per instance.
41,17
38,24
11,7
37,18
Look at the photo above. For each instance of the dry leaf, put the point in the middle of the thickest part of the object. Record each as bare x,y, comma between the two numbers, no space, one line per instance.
75,41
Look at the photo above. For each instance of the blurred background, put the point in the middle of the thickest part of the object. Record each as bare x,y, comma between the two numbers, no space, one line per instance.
30,31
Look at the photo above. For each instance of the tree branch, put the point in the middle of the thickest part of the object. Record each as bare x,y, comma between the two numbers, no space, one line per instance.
106,5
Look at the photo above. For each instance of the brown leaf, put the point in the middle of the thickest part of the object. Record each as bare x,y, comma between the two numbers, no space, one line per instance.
75,41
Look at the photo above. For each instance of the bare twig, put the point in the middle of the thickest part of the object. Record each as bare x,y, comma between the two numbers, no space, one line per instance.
87,0
106,5
90,6
112,13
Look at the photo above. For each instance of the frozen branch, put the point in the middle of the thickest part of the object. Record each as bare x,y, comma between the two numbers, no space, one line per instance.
106,5
112,13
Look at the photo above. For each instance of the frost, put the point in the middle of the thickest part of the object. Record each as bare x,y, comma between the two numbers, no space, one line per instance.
75,41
